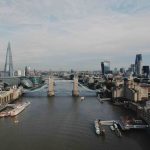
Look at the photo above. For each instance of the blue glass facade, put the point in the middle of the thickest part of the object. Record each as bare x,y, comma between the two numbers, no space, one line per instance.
105,67
138,64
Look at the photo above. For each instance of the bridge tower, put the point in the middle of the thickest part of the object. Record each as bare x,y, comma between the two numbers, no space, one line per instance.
75,91
51,91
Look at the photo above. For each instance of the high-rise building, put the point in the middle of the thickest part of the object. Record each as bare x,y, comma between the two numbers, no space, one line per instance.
146,71
18,73
8,70
122,70
105,67
133,68
115,71
27,71
138,64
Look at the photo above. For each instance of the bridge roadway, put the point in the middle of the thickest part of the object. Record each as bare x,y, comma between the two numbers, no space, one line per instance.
62,88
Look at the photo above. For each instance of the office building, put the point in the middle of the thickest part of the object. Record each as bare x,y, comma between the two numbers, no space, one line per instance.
105,67
138,65
146,71
27,71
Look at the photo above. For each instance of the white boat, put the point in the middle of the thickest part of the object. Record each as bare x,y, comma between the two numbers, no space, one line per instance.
18,109
97,129
82,98
115,126
112,128
118,132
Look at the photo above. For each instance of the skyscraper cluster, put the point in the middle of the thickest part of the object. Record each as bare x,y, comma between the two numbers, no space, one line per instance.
136,69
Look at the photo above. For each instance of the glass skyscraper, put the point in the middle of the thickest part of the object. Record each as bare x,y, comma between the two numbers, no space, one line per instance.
8,69
146,71
138,64
105,67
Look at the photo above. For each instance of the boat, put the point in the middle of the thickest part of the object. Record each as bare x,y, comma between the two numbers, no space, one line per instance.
82,98
18,109
98,131
115,126
112,128
4,114
117,131
98,128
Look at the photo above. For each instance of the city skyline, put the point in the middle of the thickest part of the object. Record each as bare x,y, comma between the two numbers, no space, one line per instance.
79,33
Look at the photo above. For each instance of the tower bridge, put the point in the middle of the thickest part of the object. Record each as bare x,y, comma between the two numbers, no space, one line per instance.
61,88
51,90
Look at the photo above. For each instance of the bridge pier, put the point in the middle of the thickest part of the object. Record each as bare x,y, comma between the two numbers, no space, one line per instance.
75,91
51,91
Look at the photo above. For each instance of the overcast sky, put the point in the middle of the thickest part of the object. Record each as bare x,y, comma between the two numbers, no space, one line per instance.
78,34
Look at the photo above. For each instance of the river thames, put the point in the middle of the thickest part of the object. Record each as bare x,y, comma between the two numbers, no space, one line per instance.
67,123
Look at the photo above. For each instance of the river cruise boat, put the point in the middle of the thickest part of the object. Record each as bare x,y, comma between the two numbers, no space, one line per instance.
18,109
4,114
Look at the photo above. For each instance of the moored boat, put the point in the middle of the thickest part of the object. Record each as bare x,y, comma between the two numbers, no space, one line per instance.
117,131
98,128
82,98
4,114
18,109
112,128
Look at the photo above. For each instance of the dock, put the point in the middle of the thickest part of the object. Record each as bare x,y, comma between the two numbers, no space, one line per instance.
105,99
114,124
109,122
126,125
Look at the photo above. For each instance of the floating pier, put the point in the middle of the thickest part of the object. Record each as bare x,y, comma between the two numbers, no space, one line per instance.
127,124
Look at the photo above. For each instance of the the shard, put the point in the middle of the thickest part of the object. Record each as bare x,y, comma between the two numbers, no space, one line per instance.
8,62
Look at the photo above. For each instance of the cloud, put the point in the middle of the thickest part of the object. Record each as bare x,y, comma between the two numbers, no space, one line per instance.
74,33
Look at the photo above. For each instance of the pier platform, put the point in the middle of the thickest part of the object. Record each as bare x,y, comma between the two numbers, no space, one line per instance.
126,124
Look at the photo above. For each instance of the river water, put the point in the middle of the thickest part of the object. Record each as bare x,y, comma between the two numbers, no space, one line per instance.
67,123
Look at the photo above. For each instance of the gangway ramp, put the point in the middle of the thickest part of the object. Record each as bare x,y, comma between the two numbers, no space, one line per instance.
109,122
